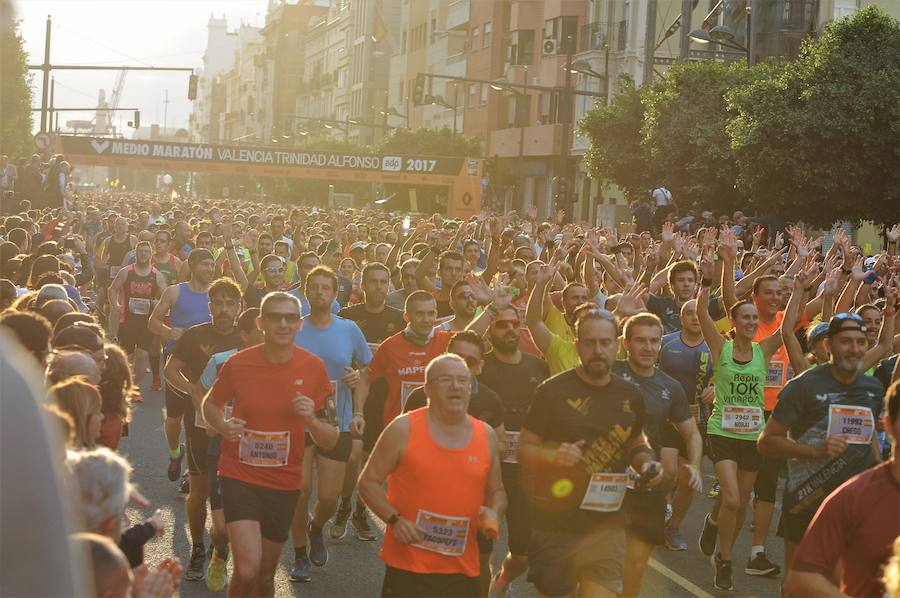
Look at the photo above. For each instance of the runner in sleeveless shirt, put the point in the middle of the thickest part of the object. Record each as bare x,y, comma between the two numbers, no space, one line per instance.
139,286
739,374
112,258
186,304
169,265
430,547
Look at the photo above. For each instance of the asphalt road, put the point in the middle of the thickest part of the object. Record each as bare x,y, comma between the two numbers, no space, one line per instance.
354,568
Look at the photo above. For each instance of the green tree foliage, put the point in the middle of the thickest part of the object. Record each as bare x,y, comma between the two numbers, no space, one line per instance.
15,95
616,152
435,142
820,140
684,132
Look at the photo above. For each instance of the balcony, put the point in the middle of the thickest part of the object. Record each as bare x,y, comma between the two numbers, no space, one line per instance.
618,41
457,14
538,140
594,36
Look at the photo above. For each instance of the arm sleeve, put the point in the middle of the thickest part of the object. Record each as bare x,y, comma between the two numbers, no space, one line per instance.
133,540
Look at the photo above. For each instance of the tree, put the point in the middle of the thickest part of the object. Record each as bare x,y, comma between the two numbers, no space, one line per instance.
616,152
435,142
685,115
15,95
820,140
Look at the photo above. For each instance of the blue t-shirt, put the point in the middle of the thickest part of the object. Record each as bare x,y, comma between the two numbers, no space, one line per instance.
304,306
340,345
690,366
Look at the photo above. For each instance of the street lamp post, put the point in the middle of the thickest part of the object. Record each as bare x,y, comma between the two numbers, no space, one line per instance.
723,36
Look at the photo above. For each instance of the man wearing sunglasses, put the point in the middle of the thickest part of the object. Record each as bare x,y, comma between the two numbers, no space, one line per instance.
279,392
830,412
514,375
272,268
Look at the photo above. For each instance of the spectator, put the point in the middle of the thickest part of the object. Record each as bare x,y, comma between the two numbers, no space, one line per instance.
81,401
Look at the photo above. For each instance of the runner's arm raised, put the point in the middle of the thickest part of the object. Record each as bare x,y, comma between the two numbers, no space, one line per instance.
795,352
533,316
711,335
423,270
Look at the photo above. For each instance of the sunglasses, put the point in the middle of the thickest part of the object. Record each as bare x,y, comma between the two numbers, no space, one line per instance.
848,316
504,324
276,318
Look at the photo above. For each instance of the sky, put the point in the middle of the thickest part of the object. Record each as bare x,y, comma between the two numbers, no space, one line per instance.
128,33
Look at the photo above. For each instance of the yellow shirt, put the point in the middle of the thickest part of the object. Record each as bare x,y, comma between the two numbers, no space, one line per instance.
560,355
557,324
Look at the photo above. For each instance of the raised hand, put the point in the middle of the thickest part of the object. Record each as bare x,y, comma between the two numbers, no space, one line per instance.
631,301
668,234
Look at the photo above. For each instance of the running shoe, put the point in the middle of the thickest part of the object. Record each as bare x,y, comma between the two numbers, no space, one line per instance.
708,537
185,486
318,552
175,464
762,566
302,570
723,578
157,384
339,524
360,524
197,563
216,574
674,539
713,490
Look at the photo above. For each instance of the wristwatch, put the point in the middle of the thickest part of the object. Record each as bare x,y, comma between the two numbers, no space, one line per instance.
393,519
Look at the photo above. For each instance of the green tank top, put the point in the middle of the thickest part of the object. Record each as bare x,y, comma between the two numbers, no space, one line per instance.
738,408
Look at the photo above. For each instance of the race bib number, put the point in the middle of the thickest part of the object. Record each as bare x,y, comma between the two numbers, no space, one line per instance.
138,306
264,449
443,535
775,374
853,424
605,493
510,446
113,270
741,420
199,422
406,389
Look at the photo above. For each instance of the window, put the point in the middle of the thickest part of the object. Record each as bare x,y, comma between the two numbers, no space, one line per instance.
484,93
521,47
473,93
518,107
487,35
474,45
400,95
549,107
565,31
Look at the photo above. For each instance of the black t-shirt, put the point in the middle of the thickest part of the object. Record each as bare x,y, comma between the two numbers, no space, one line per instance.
664,401
198,344
253,296
375,327
885,370
567,409
515,383
484,404
805,406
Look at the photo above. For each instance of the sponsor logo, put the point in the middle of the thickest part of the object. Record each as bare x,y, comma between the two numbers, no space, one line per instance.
392,163
99,146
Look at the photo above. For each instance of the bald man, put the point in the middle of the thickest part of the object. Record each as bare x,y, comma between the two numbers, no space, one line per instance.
67,364
111,573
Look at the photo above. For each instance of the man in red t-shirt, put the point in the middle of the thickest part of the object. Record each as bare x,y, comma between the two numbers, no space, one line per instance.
401,360
278,392
855,526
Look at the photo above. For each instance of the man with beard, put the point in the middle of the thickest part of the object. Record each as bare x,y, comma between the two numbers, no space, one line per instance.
463,303
138,285
584,428
189,357
830,412
513,375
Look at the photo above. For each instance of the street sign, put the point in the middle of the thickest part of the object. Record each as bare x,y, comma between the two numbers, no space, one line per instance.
43,141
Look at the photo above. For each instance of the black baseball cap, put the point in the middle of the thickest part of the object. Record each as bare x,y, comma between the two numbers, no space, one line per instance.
846,321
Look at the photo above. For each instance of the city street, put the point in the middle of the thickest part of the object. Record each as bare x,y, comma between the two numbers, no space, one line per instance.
354,568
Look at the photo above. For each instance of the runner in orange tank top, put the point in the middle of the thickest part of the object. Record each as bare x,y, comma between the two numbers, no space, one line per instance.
443,475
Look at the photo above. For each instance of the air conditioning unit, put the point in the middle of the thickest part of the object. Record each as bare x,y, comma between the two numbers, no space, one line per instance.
550,47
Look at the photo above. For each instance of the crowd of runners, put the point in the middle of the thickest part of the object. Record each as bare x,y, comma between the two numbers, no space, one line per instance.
321,368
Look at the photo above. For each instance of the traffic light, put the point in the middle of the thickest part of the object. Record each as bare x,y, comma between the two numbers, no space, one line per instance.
419,90
192,87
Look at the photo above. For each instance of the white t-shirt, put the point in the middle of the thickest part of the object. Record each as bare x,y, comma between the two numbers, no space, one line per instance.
662,196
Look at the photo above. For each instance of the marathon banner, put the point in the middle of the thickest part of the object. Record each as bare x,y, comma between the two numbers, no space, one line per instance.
461,175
